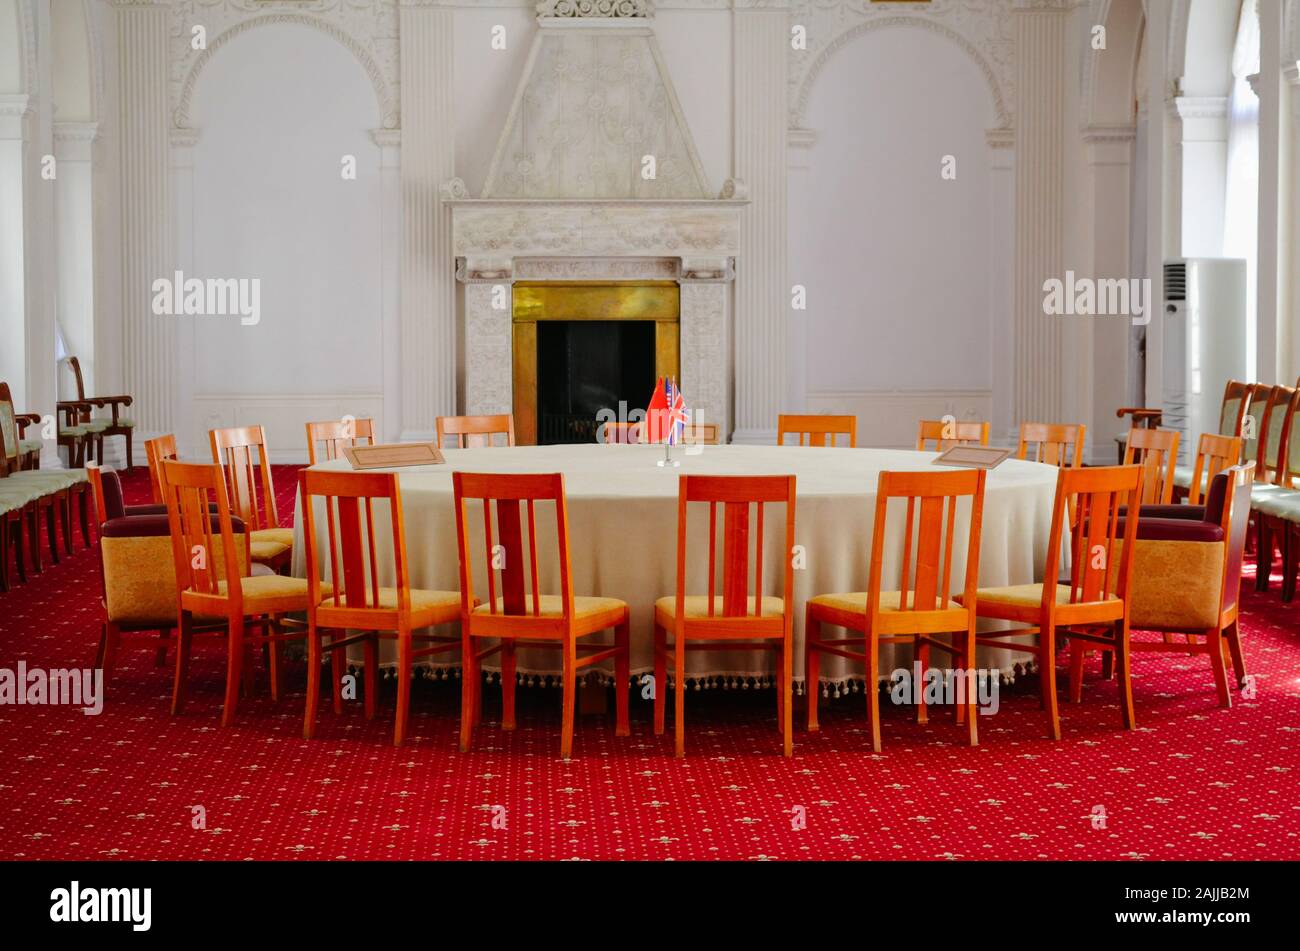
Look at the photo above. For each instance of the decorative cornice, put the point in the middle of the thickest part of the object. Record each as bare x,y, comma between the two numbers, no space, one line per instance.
1108,134
454,189
76,131
1002,137
386,138
1200,107
596,9
15,106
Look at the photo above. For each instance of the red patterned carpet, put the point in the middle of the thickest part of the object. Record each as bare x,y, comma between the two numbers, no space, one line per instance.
1193,782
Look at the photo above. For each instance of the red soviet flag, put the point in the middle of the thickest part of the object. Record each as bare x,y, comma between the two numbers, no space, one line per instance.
656,414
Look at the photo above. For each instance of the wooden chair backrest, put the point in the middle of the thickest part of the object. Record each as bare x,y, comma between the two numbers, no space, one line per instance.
9,460
1236,400
155,451
736,494
946,434
1272,450
473,431
1057,444
1214,453
1156,451
1257,406
96,480
335,435
354,569
620,433
189,489
233,449
1236,516
511,568
1290,451
1095,496
76,372
814,429
925,580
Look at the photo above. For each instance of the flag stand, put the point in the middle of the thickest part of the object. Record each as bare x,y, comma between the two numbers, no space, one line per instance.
668,459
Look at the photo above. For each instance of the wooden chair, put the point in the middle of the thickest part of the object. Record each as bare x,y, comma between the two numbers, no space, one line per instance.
1156,451
945,434
1052,443
816,429
48,493
211,586
336,434
515,616
733,619
619,433
1273,501
155,451
1096,599
1187,579
233,449
914,614
1214,453
357,601
101,428
473,431
1232,412
1269,460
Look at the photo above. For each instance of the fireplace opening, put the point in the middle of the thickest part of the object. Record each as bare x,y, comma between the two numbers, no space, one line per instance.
585,366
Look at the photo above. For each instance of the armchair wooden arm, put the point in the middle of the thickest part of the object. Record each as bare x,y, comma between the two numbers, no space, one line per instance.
1149,417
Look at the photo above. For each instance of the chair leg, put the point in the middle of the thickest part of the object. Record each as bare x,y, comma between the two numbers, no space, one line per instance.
338,670
872,688
1047,675
679,694
130,458
371,659
273,654
234,668
403,684
972,685
1290,561
661,678
160,655
1124,673
1214,641
1232,634
622,671
787,690
1107,665
314,658
4,551
83,505
921,653
1077,657
1263,552
110,637
34,536
469,670
65,519
812,661
16,536
51,530
570,689
184,637
507,684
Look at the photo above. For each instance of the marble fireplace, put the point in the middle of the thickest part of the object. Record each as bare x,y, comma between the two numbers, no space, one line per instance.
595,180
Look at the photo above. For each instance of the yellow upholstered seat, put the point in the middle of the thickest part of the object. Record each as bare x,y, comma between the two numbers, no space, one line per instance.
856,601
263,594
277,536
1024,595
585,609
697,606
422,599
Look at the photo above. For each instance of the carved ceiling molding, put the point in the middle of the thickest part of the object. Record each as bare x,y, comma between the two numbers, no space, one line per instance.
983,30
592,9
367,28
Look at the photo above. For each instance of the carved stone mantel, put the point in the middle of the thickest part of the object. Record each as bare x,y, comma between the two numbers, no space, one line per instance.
692,241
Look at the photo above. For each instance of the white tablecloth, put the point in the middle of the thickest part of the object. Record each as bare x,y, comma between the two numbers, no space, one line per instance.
623,526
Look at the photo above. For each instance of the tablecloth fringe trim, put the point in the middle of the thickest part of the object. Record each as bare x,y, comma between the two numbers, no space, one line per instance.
830,686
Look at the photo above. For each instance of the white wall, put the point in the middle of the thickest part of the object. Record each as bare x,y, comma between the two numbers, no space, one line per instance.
278,107
895,259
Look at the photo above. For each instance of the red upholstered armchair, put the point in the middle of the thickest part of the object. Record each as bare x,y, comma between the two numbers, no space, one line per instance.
1187,577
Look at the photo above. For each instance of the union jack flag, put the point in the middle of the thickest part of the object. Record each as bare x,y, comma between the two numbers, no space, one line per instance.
676,412
666,415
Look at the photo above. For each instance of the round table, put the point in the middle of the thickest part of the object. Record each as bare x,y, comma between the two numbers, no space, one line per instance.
622,510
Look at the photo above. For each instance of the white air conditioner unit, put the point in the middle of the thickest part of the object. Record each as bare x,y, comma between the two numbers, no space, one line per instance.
1204,344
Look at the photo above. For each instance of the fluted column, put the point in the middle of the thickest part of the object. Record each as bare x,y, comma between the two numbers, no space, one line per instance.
1040,51
1270,333
147,246
14,119
428,300
760,49
1292,274
75,263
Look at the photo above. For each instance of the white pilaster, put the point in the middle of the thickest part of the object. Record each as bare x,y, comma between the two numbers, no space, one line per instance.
41,296
13,332
1291,235
75,260
760,55
703,348
1002,243
489,363
1157,183
1203,143
390,203
1040,51
190,436
1269,334
148,340
428,159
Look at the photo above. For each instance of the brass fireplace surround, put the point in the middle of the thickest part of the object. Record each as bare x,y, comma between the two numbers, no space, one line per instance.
533,301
